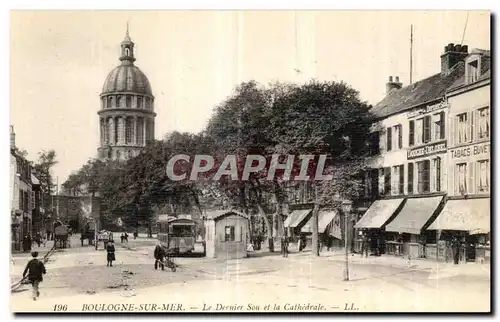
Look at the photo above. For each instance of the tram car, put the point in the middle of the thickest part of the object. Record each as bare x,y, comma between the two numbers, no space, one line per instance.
177,235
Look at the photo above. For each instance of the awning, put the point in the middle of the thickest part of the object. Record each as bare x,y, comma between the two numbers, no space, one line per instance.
378,213
324,218
472,215
414,215
296,217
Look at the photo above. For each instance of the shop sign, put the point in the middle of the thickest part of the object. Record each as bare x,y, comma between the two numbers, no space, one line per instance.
427,109
426,150
471,150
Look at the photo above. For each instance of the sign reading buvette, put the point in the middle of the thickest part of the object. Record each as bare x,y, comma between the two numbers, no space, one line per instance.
305,167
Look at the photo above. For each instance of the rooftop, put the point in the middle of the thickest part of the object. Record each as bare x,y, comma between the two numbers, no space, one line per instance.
425,90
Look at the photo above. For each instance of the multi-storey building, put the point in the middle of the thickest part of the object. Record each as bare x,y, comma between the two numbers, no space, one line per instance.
407,180
467,211
22,203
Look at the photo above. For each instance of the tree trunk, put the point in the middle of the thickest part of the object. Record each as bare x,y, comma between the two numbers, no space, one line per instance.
268,227
315,234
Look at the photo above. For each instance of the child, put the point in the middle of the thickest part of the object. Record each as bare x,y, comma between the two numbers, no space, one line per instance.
35,271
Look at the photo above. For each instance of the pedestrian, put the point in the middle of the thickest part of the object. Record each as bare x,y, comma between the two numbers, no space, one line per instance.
34,271
38,239
135,234
110,250
285,246
125,237
455,247
122,237
159,254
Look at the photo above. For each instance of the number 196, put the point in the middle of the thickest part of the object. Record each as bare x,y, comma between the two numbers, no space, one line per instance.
60,307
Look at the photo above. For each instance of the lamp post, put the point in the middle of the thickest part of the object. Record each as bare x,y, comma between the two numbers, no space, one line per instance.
346,208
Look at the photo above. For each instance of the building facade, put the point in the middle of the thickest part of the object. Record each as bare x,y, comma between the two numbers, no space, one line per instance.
22,198
467,210
407,181
126,117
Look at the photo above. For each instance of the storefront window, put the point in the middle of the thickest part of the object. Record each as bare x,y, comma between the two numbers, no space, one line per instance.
461,178
484,123
483,176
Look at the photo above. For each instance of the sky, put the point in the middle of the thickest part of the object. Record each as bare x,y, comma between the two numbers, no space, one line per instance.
194,59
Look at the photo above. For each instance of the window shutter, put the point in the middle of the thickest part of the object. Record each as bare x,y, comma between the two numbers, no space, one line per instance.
400,136
410,178
438,174
389,139
382,140
470,177
471,125
442,125
427,129
381,181
401,179
411,138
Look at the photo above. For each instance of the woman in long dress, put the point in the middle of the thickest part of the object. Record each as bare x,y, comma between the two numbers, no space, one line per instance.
110,249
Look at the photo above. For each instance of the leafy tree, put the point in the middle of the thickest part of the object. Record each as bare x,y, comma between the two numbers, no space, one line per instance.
324,118
43,167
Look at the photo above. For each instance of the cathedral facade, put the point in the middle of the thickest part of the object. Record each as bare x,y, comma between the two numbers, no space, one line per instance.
126,116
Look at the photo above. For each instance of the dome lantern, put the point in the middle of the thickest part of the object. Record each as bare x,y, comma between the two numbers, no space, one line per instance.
127,55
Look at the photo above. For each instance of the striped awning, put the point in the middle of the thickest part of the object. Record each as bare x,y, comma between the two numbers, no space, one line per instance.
414,215
324,219
296,217
378,213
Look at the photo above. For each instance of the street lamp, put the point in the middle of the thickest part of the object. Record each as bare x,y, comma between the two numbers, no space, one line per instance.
346,208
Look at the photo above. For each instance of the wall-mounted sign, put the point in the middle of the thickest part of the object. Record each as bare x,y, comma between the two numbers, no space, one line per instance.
426,150
427,109
479,150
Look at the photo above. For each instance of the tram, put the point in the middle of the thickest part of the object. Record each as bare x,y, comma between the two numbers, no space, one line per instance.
177,235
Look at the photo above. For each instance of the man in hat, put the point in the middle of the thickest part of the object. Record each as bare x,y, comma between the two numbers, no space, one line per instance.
34,271
159,254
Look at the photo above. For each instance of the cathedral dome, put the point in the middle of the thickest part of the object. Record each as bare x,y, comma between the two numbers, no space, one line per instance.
127,78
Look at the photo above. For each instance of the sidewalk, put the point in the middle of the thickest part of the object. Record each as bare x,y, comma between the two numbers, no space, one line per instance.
437,269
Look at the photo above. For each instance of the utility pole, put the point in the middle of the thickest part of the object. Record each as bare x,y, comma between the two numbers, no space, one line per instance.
411,54
346,208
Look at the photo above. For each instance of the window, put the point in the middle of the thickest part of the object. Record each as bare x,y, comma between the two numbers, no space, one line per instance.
483,123
472,71
139,102
423,169
397,137
374,144
398,180
461,178
129,129
229,233
110,102
374,181
483,176
427,129
387,181
121,131
118,101
419,130
32,200
462,128
436,174
128,101
439,131
411,139
389,139
410,178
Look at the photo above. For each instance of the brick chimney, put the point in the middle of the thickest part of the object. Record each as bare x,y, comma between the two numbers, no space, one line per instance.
12,138
453,54
393,84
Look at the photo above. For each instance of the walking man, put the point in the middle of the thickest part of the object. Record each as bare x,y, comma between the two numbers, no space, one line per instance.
35,271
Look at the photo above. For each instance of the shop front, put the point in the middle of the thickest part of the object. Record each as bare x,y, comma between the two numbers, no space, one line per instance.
374,221
469,221
410,223
329,229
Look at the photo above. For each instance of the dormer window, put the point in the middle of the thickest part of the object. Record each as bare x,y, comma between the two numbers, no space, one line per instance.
473,71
